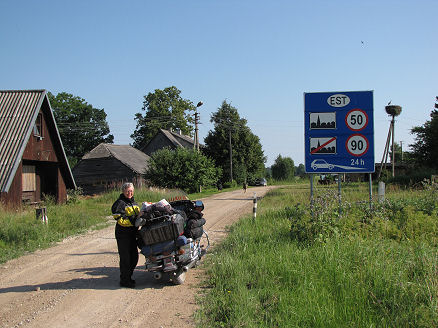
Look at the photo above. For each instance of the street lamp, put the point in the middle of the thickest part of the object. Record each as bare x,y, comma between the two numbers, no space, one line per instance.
196,145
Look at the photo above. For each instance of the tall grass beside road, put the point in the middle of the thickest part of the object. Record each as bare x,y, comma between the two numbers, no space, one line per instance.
21,232
353,267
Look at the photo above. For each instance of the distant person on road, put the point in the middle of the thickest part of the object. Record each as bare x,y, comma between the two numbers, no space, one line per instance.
125,210
245,186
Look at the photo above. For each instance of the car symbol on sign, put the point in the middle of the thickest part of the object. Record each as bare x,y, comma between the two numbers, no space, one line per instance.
321,164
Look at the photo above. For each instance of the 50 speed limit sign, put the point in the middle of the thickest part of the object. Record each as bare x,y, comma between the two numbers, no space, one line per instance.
356,119
357,145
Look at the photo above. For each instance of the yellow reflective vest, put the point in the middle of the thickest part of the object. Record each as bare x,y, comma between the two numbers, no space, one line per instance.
123,210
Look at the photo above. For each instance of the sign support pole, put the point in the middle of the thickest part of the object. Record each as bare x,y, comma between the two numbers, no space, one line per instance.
311,193
371,192
339,194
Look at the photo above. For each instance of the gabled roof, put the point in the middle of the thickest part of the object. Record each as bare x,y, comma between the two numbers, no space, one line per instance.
18,112
177,139
133,158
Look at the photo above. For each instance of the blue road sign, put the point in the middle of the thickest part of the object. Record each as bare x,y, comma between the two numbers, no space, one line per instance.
339,132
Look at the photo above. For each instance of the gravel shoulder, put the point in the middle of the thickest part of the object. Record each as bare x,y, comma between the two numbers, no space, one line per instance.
75,283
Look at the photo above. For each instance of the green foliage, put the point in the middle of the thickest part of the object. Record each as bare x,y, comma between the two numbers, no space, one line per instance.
425,148
73,195
319,223
181,168
300,171
81,126
414,218
164,109
232,184
357,276
409,179
22,232
247,154
283,168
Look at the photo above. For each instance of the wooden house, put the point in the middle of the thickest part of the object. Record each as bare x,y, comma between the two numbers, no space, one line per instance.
32,158
166,138
107,166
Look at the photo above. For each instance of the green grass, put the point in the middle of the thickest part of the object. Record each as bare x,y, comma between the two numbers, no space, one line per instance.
342,272
21,232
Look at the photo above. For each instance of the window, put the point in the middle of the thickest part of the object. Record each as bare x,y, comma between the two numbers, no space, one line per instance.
38,128
29,178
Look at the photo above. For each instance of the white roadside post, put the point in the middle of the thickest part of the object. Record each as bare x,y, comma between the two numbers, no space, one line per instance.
254,208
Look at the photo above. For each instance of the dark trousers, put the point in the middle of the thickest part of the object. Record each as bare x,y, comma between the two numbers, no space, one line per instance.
128,253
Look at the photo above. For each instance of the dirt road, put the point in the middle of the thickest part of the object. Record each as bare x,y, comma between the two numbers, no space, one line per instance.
75,283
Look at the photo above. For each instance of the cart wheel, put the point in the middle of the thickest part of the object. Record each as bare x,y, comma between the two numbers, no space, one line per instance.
179,277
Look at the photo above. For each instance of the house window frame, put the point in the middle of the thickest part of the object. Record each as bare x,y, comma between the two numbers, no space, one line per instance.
38,127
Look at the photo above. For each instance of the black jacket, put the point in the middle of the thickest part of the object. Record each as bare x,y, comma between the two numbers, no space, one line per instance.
125,212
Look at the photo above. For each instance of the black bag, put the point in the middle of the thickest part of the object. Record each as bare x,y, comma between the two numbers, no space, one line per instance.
194,227
170,228
194,233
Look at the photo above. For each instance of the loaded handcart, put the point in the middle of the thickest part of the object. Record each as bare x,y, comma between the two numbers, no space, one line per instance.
171,237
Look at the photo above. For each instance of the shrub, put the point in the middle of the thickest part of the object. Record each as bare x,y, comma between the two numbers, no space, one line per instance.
232,184
73,195
413,218
181,168
319,222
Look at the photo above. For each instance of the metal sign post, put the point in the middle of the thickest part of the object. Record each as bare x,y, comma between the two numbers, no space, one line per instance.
339,132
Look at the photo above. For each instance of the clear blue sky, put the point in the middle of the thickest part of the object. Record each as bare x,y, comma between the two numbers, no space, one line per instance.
259,55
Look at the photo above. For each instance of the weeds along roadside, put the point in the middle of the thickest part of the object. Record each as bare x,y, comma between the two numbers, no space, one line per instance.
348,268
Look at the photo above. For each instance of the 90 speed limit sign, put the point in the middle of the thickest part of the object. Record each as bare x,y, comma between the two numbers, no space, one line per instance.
356,119
357,145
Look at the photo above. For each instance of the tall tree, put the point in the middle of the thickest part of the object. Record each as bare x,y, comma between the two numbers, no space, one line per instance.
233,146
81,126
401,155
425,148
283,168
300,170
164,109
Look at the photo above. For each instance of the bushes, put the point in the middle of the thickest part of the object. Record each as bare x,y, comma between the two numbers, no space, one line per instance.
181,169
414,218
410,179
232,184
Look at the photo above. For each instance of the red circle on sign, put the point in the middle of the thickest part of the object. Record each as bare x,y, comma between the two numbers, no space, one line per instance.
356,110
361,137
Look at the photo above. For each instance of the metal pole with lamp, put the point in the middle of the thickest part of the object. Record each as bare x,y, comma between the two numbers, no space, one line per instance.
196,145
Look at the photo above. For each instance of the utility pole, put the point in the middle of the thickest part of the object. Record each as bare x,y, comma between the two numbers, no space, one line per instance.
394,111
401,146
196,145
393,148
231,155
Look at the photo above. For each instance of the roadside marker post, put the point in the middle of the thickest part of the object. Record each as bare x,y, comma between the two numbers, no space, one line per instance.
254,208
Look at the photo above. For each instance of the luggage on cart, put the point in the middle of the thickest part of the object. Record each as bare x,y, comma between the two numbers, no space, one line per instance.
163,247
161,229
194,226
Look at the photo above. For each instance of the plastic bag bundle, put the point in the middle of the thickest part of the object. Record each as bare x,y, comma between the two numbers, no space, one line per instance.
151,211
